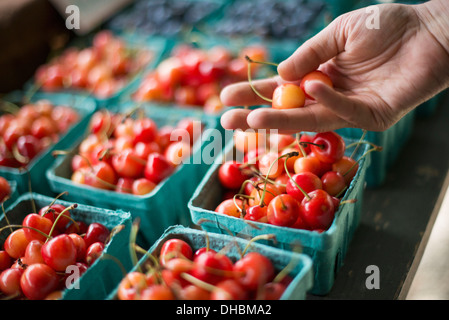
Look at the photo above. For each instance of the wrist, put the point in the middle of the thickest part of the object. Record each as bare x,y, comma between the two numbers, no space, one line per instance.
434,14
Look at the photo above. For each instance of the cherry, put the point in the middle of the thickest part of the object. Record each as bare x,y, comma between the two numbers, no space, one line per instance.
59,252
102,176
288,96
272,291
283,210
128,164
5,260
142,186
36,221
16,243
307,164
33,252
281,141
193,292
290,161
271,165
96,232
131,286
328,147
231,174
94,252
157,168
145,130
80,245
230,207
178,151
248,140
38,280
347,167
212,267
175,248
228,289
256,213
10,282
252,156
28,146
201,250
5,189
157,292
307,181
333,182
78,227
316,75
254,270
317,211
52,213
124,185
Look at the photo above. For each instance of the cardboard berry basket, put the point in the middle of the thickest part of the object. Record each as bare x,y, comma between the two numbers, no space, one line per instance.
301,265
13,196
154,47
327,249
392,142
167,203
104,274
35,176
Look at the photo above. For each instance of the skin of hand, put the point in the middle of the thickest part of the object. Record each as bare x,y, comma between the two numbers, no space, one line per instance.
379,75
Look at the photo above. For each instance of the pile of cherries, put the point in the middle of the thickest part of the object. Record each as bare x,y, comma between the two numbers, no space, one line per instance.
131,154
36,254
5,189
193,76
101,69
288,181
182,273
32,128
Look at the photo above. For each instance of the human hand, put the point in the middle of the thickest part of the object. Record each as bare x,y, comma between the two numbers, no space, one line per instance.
379,75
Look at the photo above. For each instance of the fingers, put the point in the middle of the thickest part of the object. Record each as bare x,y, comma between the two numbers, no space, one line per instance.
322,47
241,93
235,119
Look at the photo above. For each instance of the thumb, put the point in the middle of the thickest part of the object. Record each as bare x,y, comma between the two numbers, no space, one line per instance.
328,43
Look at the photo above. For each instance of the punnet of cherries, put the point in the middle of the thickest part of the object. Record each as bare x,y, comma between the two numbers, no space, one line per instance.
35,255
101,69
180,272
28,130
131,154
194,76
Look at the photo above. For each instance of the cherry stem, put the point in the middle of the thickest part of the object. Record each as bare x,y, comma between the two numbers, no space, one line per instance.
250,81
132,241
21,226
73,206
287,155
364,132
306,195
256,238
375,148
289,267
298,141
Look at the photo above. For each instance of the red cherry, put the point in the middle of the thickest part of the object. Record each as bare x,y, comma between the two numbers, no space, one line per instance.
5,260
283,210
59,252
347,167
212,267
94,252
201,250
33,252
127,164
10,282
124,185
307,181
38,280
53,212
256,213
256,194
307,164
80,246
145,130
101,176
175,248
333,182
142,186
318,211
157,168
254,270
131,286
272,291
96,232
28,146
231,174
5,189
328,147
35,221
157,292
